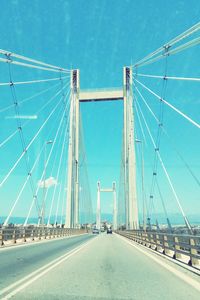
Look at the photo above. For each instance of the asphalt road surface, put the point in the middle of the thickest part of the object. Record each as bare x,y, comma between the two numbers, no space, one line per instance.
105,267
19,261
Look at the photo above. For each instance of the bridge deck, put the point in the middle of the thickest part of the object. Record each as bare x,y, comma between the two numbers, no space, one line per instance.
107,268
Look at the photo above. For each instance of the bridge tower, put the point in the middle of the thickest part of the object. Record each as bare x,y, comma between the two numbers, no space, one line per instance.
129,153
98,214
72,205
77,96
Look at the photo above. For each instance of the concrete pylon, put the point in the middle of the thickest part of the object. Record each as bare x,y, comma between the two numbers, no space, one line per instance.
114,207
129,154
98,216
72,205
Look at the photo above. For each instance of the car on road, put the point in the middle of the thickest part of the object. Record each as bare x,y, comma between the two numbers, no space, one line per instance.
95,231
109,230
102,229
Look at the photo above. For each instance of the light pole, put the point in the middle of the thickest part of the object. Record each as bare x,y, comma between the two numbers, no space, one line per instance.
44,183
143,194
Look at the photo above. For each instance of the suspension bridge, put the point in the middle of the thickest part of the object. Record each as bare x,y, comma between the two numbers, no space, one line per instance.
47,210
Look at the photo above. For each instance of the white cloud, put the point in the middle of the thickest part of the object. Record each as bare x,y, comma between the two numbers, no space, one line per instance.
51,181
25,117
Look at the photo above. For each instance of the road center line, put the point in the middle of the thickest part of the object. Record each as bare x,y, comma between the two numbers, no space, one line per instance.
195,284
42,271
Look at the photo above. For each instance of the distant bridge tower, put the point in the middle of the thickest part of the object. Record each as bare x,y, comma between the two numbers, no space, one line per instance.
107,190
98,216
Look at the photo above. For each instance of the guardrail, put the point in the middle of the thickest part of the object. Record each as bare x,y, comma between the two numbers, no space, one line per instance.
24,234
185,248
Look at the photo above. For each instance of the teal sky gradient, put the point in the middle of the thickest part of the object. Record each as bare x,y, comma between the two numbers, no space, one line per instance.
99,37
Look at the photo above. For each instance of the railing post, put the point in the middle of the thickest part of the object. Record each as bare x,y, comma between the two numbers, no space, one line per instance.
177,247
24,234
147,240
1,237
14,236
32,235
193,261
131,237
145,243
45,232
165,245
152,246
140,236
158,244
143,235
39,234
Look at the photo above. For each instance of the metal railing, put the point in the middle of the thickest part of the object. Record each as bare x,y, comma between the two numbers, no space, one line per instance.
185,248
14,235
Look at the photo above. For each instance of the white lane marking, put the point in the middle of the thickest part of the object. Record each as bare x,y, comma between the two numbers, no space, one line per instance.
42,271
195,284
36,243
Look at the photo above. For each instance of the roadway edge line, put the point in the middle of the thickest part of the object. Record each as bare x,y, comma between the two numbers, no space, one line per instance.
44,269
190,281
166,257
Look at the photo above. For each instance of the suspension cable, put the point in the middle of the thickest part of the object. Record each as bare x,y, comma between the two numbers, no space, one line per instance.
64,193
166,172
14,62
171,52
49,156
63,116
29,98
28,121
58,173
170,105
30,143
29,81
169,138
55,158
23,187
64,97
10,54
172,42
67,125
168,77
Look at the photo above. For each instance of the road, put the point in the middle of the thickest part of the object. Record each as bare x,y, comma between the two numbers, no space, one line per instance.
19,261
105,267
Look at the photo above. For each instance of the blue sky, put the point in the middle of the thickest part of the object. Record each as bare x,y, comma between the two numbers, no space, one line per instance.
99,37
